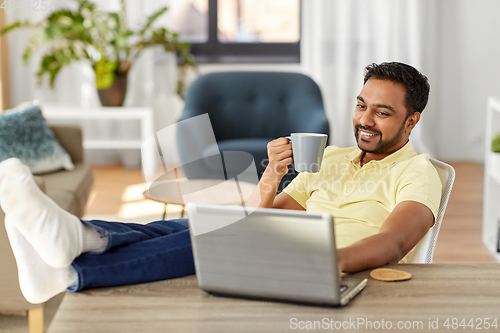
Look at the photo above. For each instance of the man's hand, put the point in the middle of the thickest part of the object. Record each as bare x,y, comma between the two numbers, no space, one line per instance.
279,152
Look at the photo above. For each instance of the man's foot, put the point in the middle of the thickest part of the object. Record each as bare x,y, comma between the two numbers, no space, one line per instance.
54,234
38,281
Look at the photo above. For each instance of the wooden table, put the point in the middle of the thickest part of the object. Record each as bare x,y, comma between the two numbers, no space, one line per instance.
435,294
205,191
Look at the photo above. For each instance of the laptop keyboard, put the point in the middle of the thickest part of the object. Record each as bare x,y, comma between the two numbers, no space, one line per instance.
343,288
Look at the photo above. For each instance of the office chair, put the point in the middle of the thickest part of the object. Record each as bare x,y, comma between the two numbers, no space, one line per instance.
246,111
424,250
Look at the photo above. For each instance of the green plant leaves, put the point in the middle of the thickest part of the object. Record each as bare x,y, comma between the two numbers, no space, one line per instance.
101,38
54,60
11,27
104,73
495,144
151,20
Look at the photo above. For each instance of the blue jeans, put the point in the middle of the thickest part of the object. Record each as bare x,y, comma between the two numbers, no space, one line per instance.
136,253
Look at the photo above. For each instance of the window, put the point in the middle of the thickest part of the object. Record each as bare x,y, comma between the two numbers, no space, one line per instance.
240,30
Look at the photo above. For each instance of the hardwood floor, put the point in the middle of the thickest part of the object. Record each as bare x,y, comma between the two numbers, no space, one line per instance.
112,187
118,191
459,240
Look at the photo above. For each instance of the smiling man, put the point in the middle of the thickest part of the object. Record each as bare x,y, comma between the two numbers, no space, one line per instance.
384,198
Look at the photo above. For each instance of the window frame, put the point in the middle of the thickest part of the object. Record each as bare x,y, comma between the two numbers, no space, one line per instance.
213,51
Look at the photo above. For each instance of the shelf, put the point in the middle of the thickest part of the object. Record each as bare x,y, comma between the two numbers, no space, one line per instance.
491,197
494,104
494,177
144,115
112,144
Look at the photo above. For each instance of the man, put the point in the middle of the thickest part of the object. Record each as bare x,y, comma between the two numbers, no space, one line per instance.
374,226
384,198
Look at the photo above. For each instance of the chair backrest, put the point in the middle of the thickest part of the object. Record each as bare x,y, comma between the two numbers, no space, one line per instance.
245,111
424,250
257,104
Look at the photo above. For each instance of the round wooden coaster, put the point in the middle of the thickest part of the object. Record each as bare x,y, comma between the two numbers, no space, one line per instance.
388,275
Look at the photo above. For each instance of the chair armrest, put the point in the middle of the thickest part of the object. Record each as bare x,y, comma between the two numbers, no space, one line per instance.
71,139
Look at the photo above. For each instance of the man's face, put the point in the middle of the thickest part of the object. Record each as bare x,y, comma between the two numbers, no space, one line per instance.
381,122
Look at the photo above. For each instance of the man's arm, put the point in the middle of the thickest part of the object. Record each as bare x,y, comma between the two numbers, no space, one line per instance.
285,201
279,152
401,231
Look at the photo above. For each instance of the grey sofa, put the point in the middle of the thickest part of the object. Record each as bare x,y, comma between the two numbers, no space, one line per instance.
70,190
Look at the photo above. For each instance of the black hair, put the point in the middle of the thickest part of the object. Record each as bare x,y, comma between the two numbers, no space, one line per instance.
416,84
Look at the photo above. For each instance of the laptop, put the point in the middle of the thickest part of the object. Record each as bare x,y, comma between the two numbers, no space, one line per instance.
273,254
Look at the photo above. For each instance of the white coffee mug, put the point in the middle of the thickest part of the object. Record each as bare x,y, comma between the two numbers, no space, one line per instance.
308,149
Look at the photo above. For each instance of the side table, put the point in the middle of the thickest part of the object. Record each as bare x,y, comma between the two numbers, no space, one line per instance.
206,191
143,114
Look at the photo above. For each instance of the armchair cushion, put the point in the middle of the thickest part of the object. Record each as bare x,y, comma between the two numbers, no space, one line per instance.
246,110
24,134
257,147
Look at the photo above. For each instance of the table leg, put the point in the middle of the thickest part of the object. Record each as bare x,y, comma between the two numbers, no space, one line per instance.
35,320
165,212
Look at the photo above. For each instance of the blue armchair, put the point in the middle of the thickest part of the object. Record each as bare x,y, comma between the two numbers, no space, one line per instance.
246,111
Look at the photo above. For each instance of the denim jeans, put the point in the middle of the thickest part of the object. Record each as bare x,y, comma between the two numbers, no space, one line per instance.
136,253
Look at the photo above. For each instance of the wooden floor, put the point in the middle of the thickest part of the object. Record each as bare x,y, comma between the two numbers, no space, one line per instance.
459,240
119,191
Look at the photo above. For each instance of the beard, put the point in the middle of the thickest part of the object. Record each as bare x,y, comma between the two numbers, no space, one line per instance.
383,146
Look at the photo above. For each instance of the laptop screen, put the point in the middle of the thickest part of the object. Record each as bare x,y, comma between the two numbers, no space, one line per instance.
273,253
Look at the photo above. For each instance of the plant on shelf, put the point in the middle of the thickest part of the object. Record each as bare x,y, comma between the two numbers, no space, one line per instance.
495,156
495,143
103,40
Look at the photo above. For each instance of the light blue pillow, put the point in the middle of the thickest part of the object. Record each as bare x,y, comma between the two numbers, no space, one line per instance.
24,134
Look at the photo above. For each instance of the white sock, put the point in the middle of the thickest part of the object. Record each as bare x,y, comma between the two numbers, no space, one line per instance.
93,240
55,234
38,281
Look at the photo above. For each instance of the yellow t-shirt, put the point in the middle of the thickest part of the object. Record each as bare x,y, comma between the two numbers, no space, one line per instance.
361,198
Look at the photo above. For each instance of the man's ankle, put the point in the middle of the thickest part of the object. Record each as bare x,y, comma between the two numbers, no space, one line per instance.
93,240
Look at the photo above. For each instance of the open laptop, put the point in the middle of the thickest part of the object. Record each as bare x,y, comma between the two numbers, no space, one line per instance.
274,254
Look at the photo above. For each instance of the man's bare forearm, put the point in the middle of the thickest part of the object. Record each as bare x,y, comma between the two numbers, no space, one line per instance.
371,252
402,230
279,152
265,193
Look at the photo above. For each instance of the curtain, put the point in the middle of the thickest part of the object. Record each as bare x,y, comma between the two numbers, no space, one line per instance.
340,37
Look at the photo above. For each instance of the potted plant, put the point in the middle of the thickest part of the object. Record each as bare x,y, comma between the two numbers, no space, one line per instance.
495,156
104,41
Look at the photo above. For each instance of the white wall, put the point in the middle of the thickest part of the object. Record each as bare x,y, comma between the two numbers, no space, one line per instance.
469,60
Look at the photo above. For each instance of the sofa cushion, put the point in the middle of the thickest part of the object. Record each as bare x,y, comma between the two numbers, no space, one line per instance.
24,134
70,189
